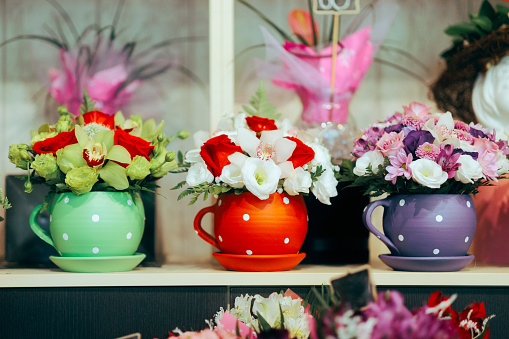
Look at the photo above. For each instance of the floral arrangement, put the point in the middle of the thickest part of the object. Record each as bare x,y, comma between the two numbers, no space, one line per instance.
96,152
94,59
284,316
387,317
250,153
419,152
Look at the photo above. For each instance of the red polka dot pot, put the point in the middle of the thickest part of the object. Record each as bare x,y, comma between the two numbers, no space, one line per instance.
246,225
94,224
425,225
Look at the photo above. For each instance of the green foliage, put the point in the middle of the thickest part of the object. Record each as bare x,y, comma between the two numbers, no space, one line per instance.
88,105
4,202
260,105
486,21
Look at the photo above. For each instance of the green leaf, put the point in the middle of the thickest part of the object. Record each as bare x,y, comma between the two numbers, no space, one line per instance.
487,10
282,317
264,325
483,22
463,29
503,10
88,105
260,105
179,185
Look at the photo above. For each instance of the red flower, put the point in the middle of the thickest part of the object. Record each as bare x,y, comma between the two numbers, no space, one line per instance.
471,321
52,145
302,154
436,298
258,124
133,144
99,118
215,153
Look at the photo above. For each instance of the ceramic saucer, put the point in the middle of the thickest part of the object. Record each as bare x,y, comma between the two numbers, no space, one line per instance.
98,264
259,263
426,264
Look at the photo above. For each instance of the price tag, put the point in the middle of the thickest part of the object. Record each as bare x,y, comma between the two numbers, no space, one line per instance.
336,6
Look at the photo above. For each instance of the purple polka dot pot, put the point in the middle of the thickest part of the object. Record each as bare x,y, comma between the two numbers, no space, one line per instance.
425,225
94,224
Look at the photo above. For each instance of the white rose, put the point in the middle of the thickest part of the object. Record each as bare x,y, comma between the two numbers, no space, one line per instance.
469,170
322,155
502,164
198,174
325,187
193,156
373,158
260,177
232,176
428,173
299,182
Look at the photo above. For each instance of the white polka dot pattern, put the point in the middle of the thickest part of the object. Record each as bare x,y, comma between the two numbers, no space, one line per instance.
245,217
401,237
129,235
468,204
466,239
129,202
286,200
439,218
436,251
402,202
66,200
95,250
287,240
95,218
249,252
220,238
65,236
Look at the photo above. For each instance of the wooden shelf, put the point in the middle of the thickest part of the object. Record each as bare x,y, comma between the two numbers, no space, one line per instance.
215,275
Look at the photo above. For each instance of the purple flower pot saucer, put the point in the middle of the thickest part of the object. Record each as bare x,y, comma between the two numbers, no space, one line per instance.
426,264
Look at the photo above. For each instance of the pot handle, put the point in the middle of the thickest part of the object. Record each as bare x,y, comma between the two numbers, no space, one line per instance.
36,228
366,218
199,229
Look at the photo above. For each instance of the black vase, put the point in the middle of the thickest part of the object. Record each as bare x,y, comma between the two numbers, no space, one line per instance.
336,234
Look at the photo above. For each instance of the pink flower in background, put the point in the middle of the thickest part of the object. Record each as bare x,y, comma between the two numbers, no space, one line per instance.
390,143
461,126
300,23
416,109
400,166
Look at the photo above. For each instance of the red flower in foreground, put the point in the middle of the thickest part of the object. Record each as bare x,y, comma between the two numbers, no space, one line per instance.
133,144
258,124
436,298
302,154
99,118
215,153
52,145
471,321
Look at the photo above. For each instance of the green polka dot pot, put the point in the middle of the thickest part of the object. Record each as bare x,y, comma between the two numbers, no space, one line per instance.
95,224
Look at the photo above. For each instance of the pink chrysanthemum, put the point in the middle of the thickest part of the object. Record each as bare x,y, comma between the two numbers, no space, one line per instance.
463,135
400,165
461,126
413,121
427,151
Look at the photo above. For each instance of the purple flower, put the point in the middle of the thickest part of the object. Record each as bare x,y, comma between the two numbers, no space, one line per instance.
394,128
474,155
414,139
448,160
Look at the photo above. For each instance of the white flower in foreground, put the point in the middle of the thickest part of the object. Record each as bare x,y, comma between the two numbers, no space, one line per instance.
428,173
232,175
325,187
268,308
322,155
260,177
372,158
469,170
198,174
298,182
